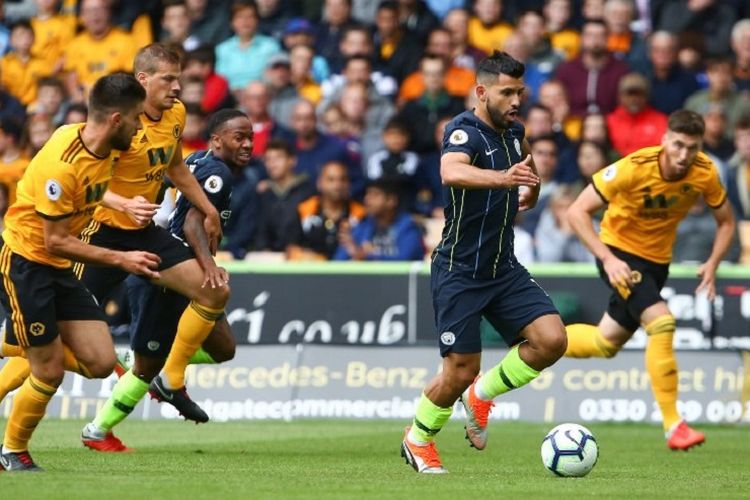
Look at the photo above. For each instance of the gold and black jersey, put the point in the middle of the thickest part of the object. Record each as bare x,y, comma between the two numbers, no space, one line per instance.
645,209
63,180
141,169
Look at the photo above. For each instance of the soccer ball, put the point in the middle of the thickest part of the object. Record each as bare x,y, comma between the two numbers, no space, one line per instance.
569,450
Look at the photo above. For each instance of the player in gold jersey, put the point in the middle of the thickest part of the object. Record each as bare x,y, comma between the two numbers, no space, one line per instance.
51,315
648,193
134,193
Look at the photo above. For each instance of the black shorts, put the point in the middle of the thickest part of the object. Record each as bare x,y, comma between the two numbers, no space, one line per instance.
152,238
36,296
509,303
627,312
154,312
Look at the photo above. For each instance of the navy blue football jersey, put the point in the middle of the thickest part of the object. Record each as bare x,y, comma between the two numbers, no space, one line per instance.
478,235
215,177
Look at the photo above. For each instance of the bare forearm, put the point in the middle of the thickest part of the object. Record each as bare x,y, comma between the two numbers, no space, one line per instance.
583,226
461,175
722,242
197,239
74,249
114,201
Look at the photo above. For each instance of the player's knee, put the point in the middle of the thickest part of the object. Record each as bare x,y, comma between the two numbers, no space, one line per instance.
101,367
50,373
215,298
556,343
465,375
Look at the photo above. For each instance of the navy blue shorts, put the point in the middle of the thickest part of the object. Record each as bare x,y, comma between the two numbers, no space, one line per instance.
510,303
155,312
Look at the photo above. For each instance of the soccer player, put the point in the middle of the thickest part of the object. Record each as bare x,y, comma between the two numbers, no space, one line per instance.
51,315
484,163
648,193
155,310
136,187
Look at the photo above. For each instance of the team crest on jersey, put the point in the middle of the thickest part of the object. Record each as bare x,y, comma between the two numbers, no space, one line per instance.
176,131
517,144
152,345
609,173
213,184
37,329
458,137
53,189
448,338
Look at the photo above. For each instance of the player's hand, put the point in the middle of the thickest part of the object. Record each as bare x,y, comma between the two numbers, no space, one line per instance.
526,199
140,210
618,272
141,263
215,277
707,274
520,174
212,225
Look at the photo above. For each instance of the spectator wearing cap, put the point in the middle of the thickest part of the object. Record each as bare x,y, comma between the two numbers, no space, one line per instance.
635,124
671,85
199,63
300,31
720,91
591,78
284,95
337,16
242,58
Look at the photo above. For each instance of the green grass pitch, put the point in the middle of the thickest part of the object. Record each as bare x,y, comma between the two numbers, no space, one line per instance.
356,459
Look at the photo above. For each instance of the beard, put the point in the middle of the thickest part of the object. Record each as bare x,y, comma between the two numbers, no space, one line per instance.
121,141
497,117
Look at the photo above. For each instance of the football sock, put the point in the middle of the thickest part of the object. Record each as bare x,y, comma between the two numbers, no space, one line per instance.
10,350
12,375
428,421
195,325
126,394
662,367
587,341
71,364
201,357
29,406
512,372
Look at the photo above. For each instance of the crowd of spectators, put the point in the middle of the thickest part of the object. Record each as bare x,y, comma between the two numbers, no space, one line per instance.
349,98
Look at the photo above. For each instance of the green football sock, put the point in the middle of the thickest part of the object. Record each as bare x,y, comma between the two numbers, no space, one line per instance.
511,373
201,357
125,395
428,421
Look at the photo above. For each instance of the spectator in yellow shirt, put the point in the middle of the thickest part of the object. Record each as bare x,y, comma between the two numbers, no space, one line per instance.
12,162
487,31
52,33
19,70
564,40
99,50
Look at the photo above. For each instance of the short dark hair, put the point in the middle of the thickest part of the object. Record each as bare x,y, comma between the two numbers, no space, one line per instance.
355,27
358,57
388,5
687,122
193,108
148,58
202,54
388,185
540,107
499,63
544,138
51,81
398,124
281,145
118,91
239,5
22,23
217,120
596,21
742,123
173,3
12,126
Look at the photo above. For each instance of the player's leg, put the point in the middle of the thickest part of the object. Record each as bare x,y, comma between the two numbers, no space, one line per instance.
218,347
520,308
661,365
457,302
197,321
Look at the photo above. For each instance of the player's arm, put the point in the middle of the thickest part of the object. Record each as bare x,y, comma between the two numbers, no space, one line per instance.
138,208
58,241
725,226
528,197
197,238
580,216
185,182
456,170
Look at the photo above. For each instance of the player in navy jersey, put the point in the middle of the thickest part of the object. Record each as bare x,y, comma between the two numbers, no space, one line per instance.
156,310
488,176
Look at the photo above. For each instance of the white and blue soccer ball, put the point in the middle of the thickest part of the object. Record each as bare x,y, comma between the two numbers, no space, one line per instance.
569,450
